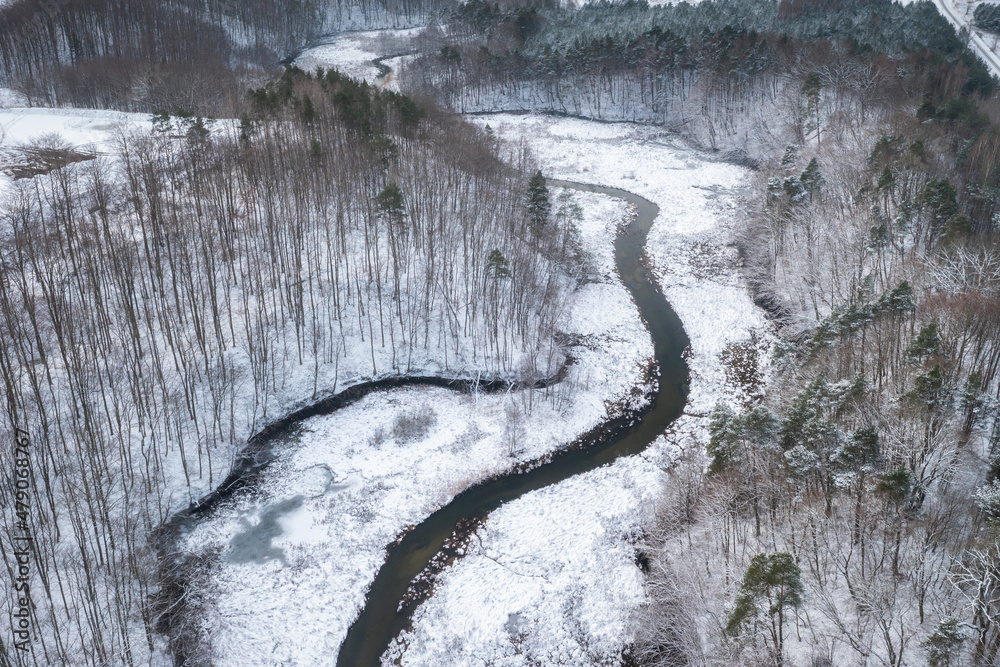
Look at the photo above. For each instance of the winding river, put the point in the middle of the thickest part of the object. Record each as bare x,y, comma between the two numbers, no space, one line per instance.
391,601
386,612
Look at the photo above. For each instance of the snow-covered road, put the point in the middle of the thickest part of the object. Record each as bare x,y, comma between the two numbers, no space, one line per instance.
977,40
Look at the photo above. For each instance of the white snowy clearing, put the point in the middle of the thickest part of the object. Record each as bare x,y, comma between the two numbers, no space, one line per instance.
352,53
86,130
287,570
551,578
81,127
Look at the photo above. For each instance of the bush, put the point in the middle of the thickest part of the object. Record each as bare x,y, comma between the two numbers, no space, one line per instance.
414,425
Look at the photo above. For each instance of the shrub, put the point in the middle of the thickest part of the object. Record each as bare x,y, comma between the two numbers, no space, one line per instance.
414,425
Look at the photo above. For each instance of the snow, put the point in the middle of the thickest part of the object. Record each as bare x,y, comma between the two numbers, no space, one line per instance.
984,44
690,244
526,593
81,127
300,383
288,567
551,578
352,53
89,131
11,98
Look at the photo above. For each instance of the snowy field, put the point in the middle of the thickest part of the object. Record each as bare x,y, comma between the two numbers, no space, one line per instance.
86,130
352,53
551,578
80,127
289,567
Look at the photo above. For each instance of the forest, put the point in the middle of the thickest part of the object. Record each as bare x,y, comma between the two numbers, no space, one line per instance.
145,55
161,304
702,69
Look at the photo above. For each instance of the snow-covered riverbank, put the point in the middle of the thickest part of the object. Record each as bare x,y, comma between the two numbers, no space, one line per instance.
285,571
354,53
552,577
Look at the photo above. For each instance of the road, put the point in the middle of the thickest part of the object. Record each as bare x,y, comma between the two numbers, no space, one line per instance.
976,41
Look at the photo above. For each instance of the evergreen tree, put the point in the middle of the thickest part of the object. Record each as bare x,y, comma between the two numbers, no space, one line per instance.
972,400
812,180
896,486
987,17
308,110
497,265
811,91
930,389
927,342
771,585
861,453
791,156
940,199
390,202
988,500
538,202
943,645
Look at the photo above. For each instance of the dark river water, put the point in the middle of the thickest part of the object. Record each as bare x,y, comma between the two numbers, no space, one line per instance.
384,615
388,608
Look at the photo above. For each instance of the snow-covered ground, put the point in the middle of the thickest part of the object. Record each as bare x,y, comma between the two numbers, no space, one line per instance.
82,127
86,130
11,98
291,568
613,337
352,53
551,578
288,568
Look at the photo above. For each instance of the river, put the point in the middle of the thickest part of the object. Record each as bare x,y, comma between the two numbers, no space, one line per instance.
385,614
390,601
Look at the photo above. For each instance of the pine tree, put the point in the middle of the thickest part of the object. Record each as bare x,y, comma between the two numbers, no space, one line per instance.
811,91
497,265
988,500
772,584
390,202
927,342
943,645
812,180
538,202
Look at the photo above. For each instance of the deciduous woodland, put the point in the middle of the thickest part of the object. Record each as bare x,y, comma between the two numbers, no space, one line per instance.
161,303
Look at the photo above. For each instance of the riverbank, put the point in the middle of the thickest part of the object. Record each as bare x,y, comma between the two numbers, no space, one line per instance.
587,525
358,54
553,577
284,570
